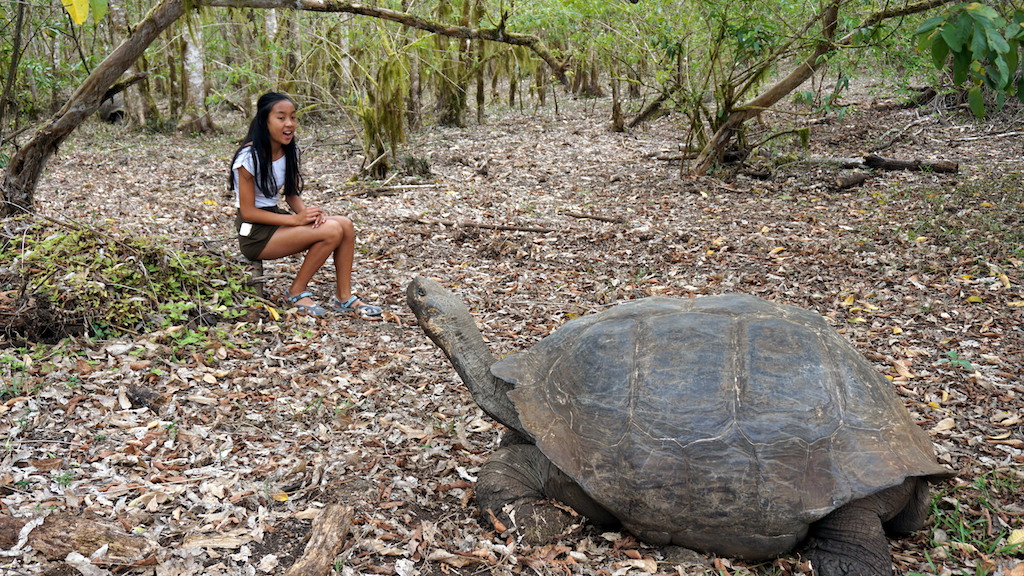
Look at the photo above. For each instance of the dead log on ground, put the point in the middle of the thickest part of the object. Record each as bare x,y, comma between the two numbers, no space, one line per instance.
330,529
875,162
58,535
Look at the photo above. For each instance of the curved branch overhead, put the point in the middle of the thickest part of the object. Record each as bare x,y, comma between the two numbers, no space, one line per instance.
498,34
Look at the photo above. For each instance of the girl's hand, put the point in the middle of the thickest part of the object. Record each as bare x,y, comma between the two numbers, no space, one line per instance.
313,215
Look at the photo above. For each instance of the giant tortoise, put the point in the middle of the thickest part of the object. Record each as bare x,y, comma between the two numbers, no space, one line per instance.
726,424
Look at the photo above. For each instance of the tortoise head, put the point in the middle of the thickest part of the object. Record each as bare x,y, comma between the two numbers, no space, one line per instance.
447,322
443,317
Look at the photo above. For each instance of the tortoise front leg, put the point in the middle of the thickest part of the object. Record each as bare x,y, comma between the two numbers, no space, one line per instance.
851,540
518,479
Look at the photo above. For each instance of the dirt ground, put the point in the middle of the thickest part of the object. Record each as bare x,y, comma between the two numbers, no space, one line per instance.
533,218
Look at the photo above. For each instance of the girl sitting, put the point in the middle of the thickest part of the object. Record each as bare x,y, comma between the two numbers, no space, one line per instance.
265,164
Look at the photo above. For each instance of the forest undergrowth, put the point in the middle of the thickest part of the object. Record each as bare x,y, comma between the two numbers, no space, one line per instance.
218,427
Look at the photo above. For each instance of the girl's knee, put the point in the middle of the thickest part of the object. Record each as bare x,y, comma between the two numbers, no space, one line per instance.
333,230
345,222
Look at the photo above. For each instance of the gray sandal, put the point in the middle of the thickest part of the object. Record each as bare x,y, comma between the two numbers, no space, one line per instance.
306,309
361,311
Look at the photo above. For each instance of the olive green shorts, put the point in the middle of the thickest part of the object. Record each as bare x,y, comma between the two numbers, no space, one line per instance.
253,244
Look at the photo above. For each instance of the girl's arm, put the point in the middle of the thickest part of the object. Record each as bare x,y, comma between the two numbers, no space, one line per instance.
250,213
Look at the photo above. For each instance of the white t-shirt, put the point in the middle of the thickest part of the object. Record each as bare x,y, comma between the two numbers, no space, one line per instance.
244,159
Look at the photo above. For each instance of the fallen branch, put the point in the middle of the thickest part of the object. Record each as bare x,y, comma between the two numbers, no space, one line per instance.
502,227
899,134
388,190
880,163
330,529
988,136
580,215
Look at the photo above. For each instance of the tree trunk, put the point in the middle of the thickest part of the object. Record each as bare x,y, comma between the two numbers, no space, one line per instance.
12,71
25,168
288,38
618,122
594,84
134,110
197,117
171,86
149,113
478,58
540,85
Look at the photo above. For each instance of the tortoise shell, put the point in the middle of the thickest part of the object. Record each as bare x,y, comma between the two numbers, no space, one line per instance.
722,423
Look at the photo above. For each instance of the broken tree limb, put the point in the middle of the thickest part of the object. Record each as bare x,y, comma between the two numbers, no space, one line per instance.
876,162
124,84
330,529
502,227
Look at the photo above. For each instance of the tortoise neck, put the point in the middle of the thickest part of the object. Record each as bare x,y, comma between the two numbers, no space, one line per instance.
468,353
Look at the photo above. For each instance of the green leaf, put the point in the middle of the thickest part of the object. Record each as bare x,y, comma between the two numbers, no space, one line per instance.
961,66
979,41
977,101
1012,56
99,9
996,41
77,9
940,51
999,76
1016,28
981,12
957,33
929,25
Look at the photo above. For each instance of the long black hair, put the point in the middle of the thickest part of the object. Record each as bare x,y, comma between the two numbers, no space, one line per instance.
258,139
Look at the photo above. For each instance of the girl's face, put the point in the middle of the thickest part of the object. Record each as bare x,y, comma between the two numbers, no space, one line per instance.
281,123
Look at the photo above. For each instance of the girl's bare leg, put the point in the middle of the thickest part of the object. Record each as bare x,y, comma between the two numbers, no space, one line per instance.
344,256
319,243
